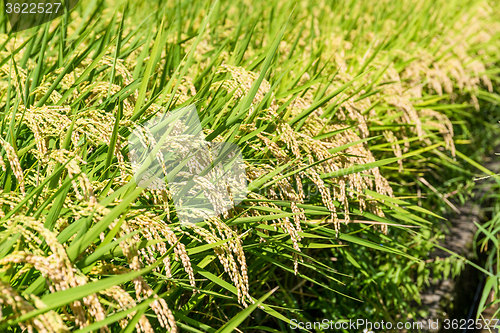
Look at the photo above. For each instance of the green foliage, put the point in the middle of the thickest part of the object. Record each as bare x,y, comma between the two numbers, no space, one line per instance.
363,103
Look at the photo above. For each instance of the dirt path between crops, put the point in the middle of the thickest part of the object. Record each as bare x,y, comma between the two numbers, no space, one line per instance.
458,298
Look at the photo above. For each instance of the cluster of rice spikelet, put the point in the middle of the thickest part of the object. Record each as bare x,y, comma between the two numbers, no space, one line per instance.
307,151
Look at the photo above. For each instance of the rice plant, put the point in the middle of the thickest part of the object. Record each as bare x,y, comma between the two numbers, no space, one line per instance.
349,117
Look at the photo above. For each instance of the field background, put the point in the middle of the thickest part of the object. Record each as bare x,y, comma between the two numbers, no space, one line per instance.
361,126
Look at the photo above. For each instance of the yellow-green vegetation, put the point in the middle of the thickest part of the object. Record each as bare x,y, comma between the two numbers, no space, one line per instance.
356,120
